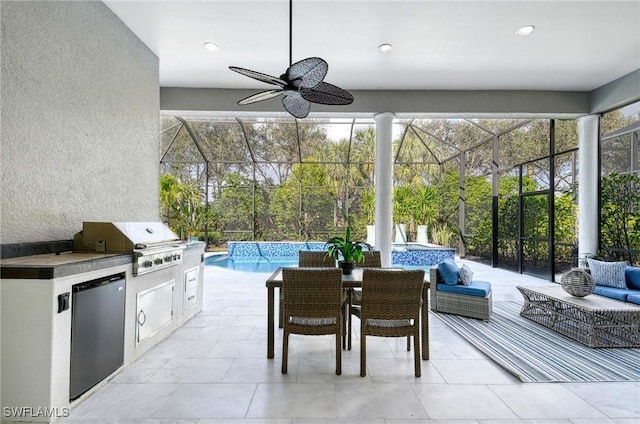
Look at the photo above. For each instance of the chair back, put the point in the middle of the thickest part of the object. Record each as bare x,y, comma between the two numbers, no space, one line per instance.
310,258
371,260
391,294
312,292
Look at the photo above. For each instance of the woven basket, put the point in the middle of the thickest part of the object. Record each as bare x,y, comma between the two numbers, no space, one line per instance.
578,282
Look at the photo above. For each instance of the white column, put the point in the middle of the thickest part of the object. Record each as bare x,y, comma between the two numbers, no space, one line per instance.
384,185
588,225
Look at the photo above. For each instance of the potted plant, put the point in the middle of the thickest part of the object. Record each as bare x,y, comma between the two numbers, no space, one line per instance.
346,251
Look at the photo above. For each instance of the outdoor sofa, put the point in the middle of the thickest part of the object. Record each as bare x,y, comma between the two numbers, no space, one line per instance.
454,291
616,280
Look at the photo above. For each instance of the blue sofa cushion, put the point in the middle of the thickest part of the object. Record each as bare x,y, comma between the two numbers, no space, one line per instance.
634,298
612,292
449,272
609,274
632,275
476,288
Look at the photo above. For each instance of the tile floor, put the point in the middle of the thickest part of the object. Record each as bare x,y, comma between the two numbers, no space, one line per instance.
214,370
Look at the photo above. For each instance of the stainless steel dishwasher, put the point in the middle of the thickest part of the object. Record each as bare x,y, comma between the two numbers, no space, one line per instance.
97,331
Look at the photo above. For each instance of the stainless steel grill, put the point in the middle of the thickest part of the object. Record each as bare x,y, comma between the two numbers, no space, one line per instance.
153,245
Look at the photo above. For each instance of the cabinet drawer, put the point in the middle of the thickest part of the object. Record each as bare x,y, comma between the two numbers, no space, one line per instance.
190,298
190,279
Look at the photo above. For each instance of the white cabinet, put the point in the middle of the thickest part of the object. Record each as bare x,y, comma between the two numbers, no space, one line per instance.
190,288
154,309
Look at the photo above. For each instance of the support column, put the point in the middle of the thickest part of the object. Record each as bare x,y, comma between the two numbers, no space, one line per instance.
588,186
384,185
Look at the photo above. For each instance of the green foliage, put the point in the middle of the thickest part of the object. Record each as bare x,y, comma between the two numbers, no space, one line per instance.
620,215
345,249
183,207
304,202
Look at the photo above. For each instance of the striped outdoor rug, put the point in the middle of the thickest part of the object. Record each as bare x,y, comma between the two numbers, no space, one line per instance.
534,353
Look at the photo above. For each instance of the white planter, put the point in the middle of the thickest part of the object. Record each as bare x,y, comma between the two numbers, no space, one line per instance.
421,237
401,233
371,235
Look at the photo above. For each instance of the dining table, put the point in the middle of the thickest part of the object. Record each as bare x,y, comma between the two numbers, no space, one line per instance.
353,280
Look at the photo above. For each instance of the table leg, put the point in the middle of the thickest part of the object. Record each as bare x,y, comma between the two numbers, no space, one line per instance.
425,323
270,322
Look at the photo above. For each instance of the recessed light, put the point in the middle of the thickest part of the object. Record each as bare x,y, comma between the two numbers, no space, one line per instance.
384,48
525,30
210,46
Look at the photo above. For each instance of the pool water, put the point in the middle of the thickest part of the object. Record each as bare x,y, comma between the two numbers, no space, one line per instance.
254,265
265,264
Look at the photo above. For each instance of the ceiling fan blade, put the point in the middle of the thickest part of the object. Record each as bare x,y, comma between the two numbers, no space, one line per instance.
308,72
258,97
327,94
296,105
259,76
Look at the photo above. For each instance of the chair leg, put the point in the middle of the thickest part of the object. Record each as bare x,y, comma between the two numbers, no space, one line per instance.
338,351
416,352
345,324
350,318
408,343
280,315
285,351
363,352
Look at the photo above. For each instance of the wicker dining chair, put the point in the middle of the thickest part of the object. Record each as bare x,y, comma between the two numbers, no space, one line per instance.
309,259
391,303
312,306
371,260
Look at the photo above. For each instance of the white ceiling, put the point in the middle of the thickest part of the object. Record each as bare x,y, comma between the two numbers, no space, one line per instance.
437,45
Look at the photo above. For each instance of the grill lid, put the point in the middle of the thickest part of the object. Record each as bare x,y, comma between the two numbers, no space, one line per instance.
123,236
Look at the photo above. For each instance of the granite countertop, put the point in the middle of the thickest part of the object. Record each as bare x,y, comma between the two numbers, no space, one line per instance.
53,265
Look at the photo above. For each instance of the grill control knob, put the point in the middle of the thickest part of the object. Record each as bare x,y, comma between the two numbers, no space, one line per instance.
147,264
158,261
168,258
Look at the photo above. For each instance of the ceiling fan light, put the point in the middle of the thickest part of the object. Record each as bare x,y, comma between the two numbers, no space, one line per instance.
211,46
525,30
384,48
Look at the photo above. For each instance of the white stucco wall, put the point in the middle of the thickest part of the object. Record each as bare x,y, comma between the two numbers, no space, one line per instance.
79,121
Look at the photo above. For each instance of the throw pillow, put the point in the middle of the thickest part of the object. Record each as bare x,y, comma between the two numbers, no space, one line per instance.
610,274
466,275
449,272
632,273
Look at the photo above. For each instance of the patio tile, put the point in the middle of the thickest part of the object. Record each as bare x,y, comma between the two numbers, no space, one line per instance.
475,371
140,371
262,370
372,401
432,422
173,348
124,401
192,371
459,401
208,401
543,400
276,400
225,333
247,421
383,370
616,400
323,370
249,348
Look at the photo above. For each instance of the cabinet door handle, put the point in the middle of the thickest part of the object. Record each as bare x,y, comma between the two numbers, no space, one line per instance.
191,297
142,318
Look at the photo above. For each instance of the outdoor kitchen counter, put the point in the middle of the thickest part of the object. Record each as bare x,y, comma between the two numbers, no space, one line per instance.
55,265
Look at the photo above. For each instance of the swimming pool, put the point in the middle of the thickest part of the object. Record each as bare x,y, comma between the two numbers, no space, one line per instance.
269,256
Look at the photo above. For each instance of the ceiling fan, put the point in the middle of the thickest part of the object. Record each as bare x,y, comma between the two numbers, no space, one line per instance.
302,84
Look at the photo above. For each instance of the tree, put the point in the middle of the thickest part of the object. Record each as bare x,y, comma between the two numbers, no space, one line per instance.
620,216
